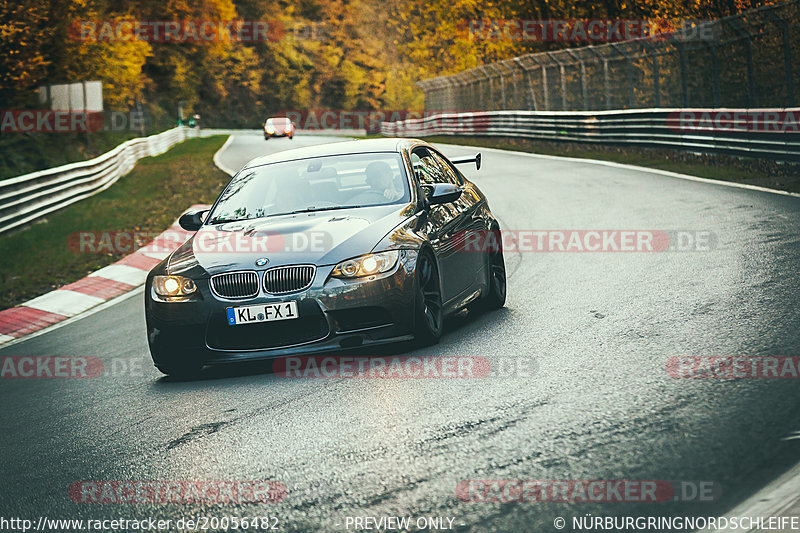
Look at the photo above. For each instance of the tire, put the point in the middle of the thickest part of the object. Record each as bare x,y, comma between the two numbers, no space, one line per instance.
496,295
266,137
428,316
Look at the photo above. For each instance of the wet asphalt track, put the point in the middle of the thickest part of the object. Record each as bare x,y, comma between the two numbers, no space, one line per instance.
599,327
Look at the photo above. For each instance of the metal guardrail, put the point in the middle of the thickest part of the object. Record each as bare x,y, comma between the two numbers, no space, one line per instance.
660,128
26,198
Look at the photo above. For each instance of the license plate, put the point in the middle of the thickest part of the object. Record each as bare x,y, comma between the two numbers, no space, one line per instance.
262,313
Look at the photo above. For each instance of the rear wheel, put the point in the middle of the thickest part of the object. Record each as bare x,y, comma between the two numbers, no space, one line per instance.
428,317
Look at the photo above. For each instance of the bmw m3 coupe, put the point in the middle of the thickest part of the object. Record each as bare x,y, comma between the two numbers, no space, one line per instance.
315,249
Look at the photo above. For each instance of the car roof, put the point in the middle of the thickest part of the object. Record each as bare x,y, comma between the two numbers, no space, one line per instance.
386,144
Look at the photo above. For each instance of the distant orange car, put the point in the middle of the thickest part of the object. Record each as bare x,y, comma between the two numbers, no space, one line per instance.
278,127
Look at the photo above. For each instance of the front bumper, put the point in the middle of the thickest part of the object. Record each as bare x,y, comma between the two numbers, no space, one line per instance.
334,314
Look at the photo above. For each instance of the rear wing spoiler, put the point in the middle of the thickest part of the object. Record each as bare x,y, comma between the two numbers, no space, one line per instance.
462,160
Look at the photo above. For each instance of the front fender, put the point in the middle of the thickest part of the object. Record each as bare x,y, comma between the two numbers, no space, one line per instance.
405,235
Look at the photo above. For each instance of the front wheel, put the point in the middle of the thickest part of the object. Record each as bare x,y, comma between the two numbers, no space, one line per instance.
428,316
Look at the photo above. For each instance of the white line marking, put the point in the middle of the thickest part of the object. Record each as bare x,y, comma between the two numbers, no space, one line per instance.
772,500
629,167
219,163
64,302
122,273
793,435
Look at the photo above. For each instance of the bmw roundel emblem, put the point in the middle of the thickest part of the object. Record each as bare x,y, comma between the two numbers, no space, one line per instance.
260,262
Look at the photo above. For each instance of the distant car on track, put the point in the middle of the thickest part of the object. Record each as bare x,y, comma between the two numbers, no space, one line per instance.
390,218
278,127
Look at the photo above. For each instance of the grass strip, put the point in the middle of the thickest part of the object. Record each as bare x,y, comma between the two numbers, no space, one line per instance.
38,258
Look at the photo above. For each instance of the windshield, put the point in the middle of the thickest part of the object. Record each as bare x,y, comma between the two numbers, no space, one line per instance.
316,184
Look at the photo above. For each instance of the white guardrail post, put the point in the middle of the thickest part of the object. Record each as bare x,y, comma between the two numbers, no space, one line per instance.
765,133
25,198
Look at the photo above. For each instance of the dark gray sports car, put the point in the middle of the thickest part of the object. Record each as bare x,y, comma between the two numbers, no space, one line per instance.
322,248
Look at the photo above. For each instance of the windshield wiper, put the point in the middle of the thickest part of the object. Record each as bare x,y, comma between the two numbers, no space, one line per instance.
226,220
313,209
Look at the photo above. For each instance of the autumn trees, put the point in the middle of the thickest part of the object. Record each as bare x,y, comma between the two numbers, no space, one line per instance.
336,54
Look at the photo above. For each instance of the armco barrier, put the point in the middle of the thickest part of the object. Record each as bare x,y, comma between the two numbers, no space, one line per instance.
662,128
31,196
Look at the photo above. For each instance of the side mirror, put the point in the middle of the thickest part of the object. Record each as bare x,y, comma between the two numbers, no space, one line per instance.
192,220
442,193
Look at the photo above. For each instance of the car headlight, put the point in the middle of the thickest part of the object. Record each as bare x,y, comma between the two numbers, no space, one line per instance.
269,129
173,286
366,265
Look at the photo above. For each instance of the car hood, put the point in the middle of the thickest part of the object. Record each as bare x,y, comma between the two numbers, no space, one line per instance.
319,238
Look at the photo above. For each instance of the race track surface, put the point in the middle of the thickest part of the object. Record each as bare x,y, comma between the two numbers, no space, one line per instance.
597,330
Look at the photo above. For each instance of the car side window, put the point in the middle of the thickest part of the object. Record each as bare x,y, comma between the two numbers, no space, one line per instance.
450,173
427,169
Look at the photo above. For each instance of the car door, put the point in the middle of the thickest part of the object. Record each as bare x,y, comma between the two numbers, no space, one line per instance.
467,223
441,224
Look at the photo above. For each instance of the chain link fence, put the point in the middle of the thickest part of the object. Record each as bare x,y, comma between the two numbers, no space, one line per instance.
745,61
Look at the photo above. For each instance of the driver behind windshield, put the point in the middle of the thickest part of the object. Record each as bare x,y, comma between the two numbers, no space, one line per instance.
381,179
